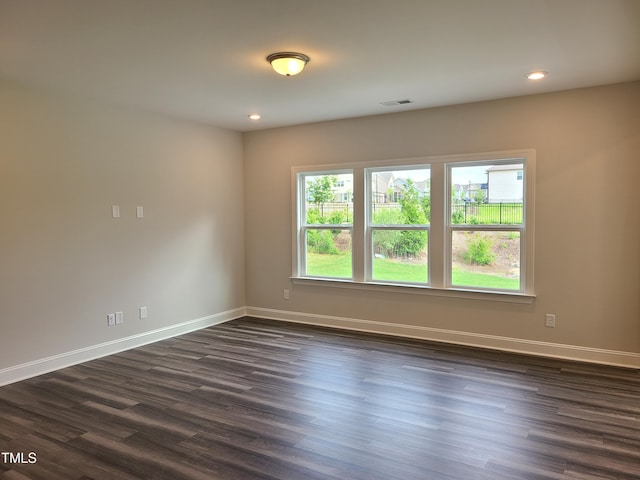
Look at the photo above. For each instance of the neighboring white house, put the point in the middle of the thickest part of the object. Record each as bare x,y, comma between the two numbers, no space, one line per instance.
505,183
343,190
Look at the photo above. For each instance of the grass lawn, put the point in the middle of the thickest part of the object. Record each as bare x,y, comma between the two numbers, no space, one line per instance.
324,265
470,279
339,266
384,269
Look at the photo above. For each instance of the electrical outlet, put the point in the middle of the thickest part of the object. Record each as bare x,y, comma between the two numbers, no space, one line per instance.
550,320
142,312
286,294
111,319
119,318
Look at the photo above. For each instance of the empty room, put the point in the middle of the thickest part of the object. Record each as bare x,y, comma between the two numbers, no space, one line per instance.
338,239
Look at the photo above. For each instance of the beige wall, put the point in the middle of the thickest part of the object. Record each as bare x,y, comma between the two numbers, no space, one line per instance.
587,268
65,263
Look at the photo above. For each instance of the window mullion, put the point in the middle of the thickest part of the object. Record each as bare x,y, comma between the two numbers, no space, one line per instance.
360,249
437,230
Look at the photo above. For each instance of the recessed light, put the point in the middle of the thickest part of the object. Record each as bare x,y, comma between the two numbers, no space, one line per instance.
393,103
255,116
537,75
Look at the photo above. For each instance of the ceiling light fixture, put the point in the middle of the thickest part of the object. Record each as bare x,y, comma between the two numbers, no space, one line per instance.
537,75
288,63
255,116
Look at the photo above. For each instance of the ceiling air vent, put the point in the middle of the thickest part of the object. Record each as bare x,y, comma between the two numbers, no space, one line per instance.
393,103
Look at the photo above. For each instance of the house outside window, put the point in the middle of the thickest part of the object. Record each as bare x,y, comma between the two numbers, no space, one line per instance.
505,183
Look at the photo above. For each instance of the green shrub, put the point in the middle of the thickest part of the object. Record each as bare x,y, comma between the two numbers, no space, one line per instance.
387,216
321,241
385,241
401,243
479,250
412,242
337,217
314,217
457,217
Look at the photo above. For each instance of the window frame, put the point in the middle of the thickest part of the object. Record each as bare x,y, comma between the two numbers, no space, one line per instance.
371,227
304,227
439,233
521,228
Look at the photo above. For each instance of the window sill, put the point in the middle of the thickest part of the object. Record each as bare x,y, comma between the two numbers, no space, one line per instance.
491,296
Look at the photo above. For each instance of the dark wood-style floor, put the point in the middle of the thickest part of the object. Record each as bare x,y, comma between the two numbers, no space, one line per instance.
255,399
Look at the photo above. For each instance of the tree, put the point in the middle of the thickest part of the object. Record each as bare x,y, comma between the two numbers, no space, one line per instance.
413,212
479,196
320,190
425,203
411,206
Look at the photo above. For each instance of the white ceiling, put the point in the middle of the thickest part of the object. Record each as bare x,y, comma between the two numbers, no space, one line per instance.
205,59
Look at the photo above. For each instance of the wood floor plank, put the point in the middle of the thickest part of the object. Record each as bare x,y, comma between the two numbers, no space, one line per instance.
256,399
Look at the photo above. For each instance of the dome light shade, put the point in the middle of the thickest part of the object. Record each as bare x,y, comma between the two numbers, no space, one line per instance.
288,63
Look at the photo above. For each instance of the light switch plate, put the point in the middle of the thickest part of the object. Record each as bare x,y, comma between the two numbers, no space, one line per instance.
550,320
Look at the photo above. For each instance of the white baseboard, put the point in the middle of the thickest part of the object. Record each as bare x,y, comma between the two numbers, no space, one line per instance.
55,362
515,345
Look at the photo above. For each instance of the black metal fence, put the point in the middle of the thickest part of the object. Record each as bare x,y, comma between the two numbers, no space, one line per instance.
461,212
486,213
327,210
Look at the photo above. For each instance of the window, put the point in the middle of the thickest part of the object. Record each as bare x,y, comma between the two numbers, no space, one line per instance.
459,225
398,213
485,234
326,225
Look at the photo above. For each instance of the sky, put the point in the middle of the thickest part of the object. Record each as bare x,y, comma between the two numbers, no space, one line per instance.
461,175
464,175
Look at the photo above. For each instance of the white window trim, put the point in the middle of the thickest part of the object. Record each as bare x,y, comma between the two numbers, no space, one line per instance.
439,229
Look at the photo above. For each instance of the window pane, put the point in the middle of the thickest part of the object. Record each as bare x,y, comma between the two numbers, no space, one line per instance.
329,253
487,194
400,255
486,260
401,197
329,199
